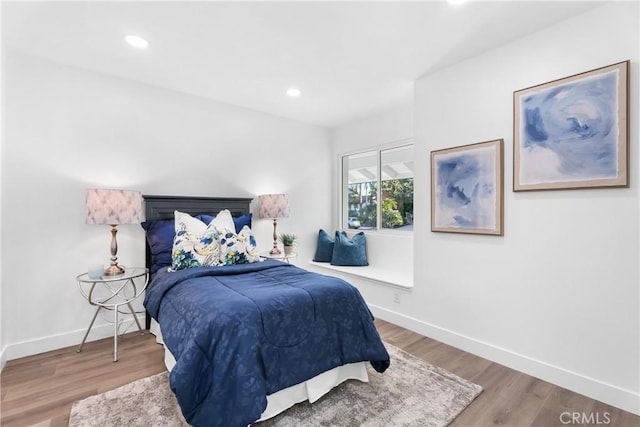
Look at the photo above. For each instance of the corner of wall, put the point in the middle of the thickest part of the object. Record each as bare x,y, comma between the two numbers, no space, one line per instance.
3,358
2,120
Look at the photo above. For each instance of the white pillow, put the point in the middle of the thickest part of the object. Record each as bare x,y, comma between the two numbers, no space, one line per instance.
192,223
223,222
196,244
238,248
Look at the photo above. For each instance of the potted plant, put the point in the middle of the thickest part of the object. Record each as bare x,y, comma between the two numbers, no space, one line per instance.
288,240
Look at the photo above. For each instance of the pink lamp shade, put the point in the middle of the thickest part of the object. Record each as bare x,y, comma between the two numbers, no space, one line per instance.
273,206
113,207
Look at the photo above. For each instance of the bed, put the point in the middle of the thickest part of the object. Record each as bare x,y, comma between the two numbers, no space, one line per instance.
244,342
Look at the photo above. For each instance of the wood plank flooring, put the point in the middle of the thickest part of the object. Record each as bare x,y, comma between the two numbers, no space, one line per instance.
39,390
510,398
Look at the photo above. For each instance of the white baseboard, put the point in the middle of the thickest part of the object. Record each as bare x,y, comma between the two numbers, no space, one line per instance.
626,400
74,338
3,358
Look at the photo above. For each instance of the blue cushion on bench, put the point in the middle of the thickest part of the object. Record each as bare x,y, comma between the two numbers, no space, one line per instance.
349,252
324,249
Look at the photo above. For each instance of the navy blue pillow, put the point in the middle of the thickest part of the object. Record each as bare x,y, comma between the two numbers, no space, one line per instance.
324,249
160,236
241,221
349,252
238,222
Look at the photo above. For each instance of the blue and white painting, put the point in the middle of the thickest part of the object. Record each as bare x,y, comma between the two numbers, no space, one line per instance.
466,189
569,132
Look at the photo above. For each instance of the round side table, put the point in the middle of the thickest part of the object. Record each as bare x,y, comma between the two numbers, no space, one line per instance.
281,256
112,292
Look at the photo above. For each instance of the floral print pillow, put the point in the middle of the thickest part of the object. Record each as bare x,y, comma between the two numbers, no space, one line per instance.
195,244
238,248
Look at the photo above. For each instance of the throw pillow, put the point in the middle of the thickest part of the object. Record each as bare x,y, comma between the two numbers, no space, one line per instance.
349,252
324,248
223,222
238,248
196,243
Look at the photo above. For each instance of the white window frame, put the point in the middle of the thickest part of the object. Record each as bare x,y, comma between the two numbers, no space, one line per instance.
343,204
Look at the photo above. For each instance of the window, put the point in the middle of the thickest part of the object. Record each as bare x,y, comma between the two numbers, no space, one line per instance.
378,189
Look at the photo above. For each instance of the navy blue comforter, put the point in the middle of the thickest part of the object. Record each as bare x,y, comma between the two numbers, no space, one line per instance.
241,332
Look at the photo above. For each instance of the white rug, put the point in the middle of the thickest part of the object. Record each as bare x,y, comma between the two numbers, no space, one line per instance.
410,393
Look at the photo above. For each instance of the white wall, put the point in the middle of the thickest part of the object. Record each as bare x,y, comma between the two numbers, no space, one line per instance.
68,130
557,296
383,128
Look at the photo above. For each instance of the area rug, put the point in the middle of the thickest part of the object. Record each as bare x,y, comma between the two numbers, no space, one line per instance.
410,393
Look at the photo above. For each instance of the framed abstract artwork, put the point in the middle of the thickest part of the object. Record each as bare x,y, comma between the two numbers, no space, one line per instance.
574,132
467,189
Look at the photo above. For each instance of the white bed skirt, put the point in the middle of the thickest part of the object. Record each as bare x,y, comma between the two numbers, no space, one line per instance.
311,390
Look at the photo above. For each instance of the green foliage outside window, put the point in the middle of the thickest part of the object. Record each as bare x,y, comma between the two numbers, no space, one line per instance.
397,204
391,216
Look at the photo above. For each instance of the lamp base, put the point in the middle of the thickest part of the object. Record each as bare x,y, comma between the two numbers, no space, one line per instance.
113,270
274,250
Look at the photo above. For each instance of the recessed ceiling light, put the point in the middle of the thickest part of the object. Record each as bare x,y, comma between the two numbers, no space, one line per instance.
136,41
456,2
293,92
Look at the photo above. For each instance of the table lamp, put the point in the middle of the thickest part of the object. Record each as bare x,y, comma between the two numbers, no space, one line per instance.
113,207
274,206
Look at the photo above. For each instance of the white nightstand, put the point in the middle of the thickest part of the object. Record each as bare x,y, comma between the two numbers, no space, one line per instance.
112,292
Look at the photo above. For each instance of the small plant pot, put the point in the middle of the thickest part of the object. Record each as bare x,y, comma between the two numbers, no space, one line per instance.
288,250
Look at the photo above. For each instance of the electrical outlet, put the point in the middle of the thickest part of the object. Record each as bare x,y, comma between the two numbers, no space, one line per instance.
396,297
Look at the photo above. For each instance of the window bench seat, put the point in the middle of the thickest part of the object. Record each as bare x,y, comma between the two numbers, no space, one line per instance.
390,258
398,277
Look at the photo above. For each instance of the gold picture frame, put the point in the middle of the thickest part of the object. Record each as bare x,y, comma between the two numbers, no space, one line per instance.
573,133
467,189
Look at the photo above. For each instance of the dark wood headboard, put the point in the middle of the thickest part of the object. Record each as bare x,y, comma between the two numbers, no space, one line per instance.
163,207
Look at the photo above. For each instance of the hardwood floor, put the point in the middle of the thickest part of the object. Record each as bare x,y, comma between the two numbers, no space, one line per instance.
40,389
509,398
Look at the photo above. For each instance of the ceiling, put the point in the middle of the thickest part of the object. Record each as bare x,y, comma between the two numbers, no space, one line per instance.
349,59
